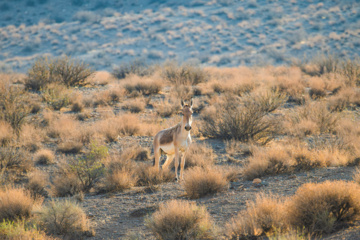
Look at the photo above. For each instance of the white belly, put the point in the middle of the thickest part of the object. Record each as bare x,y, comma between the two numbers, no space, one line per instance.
170,148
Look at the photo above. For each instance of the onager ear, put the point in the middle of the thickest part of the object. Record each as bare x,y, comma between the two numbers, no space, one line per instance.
182,103
191,102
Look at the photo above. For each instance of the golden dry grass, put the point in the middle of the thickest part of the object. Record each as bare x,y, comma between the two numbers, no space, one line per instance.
63,217
15,203
38,181
181,220
44,156
6,133
200,155
199,182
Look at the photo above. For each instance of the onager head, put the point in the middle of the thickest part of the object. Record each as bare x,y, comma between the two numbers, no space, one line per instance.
187,114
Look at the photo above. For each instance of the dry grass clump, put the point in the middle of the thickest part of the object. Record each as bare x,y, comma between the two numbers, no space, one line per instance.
135,152
183,75
16,203
38,180
65,184
137,67
200,182
166,108
243,120
271,160
136,86
62,70
70,147
135,105
110,97
44,157
150,175
64,128
269,100
199,155
346,98
64,217
181,220
319,208
351,71
263,216
312,118
6,133
119,180
123,125
20,230
31,137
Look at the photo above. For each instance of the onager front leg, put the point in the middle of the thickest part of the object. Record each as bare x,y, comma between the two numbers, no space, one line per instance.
182,166
176,162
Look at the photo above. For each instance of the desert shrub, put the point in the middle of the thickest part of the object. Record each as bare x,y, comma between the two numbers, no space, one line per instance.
136,86
124,125
56,96
15,158
203,181
62,70
16,203
273,160
77,107
70,147
319,208
38,181
135,152
10,230
263,216
166,108
233,119
135,105
137,67
199,155
270,100
65,184
351,70
89,168
326,64
64,217
181,220
44,157
13,105
31,137
149,176
119,180
183,75
6,133
346,98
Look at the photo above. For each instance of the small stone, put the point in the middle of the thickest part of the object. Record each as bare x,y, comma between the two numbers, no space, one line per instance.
257,181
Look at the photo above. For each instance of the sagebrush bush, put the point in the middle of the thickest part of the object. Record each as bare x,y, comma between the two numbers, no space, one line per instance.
181,220
240,120
351,70
200,182
44,157
62,70
319,208
136,86
64,217
71,147
13,158
65,184
119,180
135,105
13,105
183,75
166,108
137,67
16,203
264,215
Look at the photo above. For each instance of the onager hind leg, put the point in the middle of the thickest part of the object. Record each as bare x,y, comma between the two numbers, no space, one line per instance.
168,161
157,153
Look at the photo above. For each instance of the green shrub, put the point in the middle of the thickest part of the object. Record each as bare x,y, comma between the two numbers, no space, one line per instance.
20,230
89,168
56,96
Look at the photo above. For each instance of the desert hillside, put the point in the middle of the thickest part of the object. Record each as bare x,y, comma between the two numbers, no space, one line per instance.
214,33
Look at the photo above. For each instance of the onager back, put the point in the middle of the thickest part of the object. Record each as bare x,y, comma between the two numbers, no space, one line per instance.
173,140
